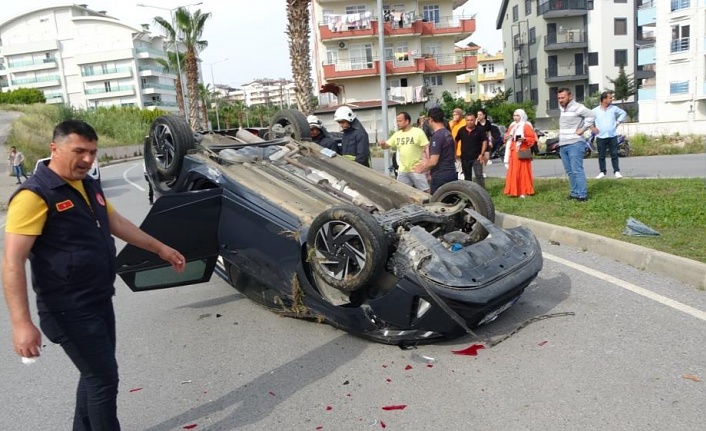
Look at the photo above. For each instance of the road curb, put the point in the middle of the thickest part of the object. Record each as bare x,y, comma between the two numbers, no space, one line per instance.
679,268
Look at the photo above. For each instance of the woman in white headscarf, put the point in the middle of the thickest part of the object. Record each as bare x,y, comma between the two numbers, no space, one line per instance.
519,139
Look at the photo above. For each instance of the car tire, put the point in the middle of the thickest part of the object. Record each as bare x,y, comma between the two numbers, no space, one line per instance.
170,139
346,262
289,122
477,198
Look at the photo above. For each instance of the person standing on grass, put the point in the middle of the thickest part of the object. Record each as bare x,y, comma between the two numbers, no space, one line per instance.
574,120
62,222
608,116
410,143
520,136
442,152
483,123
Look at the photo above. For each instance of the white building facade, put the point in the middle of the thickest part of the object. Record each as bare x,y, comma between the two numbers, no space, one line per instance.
267,92
672,46
84,58
579,44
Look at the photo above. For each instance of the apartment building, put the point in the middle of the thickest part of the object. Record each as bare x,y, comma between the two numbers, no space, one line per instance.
671,40
419,51
84,58
577,44
268,92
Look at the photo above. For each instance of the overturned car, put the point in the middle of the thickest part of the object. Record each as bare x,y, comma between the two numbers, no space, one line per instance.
309,234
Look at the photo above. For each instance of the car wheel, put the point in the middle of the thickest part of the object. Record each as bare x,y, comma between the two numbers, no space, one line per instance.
476,197
346,247
291,123
170,139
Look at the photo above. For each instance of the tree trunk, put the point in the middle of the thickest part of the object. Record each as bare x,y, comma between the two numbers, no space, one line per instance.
192,89
179,96
298,18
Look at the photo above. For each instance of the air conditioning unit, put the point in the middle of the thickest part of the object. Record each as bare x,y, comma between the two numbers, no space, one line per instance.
342,45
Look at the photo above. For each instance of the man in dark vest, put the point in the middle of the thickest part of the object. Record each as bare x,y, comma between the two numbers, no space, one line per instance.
61,220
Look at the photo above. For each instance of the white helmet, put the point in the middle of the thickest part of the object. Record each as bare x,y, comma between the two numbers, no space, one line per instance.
344,113
313,121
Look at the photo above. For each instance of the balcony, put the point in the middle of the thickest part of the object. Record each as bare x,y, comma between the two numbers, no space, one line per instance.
679,45
158,104
149,53
647,15
153,70
30,65
54,98
340,28
105,74
646,55
150,88
571,39
562,8
4,84
646,94
42,81
406,95
491,76
426,63
104,93
566,73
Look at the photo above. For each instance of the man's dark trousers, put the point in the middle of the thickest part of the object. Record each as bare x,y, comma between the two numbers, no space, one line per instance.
612,145
87,335
474,166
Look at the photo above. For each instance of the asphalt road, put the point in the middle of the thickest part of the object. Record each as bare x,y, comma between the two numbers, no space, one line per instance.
676,166
204,355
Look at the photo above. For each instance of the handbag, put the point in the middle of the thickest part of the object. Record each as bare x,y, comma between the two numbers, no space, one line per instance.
524,154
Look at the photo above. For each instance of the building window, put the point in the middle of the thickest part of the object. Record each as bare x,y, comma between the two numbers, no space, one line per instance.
680,39
620,1
533,66
431,13
106,85
593,59
515,13
680,4
681,87
621,57
433,80
355,9
472,89
488,68
532,36
534,95
620,26
592,89
528,7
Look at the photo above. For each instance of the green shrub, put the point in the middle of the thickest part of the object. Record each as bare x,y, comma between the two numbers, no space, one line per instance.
22,96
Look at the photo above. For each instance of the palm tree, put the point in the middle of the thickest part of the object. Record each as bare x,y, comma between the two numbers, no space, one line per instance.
188,30
205,98
169,65
239,109
261,111
298,31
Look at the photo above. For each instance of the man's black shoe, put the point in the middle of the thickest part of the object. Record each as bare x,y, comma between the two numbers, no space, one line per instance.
576,198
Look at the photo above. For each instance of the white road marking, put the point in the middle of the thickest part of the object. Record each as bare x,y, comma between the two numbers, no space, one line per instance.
631,287
137,186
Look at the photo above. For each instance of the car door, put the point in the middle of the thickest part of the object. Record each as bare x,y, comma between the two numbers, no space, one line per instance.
187,222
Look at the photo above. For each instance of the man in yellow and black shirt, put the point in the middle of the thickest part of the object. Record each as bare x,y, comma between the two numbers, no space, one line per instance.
61,221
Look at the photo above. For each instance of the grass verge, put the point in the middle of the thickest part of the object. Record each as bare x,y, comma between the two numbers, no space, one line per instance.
676,208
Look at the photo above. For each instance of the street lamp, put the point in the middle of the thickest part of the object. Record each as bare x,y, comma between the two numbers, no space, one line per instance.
184,99
213,81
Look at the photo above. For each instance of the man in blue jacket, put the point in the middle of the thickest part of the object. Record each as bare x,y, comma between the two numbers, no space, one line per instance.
355,143
62,222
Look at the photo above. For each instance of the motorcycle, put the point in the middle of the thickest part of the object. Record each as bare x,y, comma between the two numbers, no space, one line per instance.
623,145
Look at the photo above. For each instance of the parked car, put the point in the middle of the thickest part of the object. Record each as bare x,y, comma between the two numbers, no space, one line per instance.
309,234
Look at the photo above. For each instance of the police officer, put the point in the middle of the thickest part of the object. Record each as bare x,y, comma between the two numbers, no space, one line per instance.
355,143
61,220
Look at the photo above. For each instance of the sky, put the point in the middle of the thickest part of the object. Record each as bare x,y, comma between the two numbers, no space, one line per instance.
246,38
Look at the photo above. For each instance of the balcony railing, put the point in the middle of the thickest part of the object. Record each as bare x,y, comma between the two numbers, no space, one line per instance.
35,80
647,93
560,5
146,67
14,64
106,71
679,45
571,36
160,103
152,51
569,71
148,86
111,89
